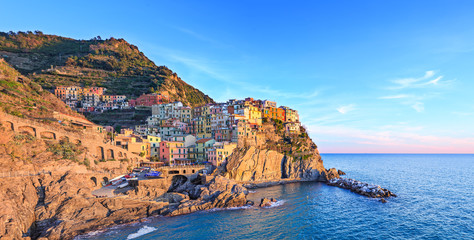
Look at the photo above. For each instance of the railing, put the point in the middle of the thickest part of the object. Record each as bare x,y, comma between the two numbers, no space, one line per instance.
185,166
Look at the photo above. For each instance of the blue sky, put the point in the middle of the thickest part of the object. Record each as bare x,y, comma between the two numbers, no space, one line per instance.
366,76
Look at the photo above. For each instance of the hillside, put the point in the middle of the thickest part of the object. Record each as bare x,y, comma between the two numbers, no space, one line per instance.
119,66
21,97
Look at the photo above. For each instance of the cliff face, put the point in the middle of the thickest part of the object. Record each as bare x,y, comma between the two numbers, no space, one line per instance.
259,165
276,155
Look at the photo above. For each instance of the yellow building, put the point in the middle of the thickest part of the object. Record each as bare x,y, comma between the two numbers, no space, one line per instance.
254,114
186,114
290,114
220,153
154,145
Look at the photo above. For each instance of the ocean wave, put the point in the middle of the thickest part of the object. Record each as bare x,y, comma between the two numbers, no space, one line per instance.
142,231
276,204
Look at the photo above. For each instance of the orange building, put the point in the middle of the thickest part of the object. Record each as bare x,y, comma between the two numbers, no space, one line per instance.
274,113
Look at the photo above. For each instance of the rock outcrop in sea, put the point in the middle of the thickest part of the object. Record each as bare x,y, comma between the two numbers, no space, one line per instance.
366,189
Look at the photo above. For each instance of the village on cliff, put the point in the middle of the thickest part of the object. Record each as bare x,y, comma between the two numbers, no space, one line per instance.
180,135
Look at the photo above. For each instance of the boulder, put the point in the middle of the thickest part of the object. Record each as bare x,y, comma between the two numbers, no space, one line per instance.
331,173
341,172
173,197
265,202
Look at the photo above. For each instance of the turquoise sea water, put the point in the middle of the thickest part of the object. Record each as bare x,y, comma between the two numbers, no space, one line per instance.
435,201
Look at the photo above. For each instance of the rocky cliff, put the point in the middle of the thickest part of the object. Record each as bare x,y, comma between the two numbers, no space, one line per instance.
259,165
276,155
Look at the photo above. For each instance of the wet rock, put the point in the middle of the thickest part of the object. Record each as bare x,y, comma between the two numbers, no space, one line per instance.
341,172
383,200
265,202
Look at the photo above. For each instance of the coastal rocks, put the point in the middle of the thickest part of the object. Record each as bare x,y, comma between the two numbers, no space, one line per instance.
173,198
332,173
19,198
220,192
340,172
262,165
150,189
265,202
366,189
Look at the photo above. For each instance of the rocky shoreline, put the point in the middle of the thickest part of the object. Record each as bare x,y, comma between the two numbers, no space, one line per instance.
365,189
196,194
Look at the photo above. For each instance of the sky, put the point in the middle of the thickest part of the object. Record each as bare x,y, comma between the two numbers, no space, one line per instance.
365,76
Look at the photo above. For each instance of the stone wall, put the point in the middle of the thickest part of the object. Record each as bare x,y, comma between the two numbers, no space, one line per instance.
91,140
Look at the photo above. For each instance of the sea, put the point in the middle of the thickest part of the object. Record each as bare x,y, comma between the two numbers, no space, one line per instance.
435,201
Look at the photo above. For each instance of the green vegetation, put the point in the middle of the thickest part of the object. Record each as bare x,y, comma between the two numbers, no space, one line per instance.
111,63
23,98
298,146
23,138
65,150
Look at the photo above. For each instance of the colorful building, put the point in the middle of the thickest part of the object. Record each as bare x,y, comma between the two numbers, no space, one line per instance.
170,150
201,148
149,100
220,152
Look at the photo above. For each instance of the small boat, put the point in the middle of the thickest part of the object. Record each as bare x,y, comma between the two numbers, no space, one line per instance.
153,174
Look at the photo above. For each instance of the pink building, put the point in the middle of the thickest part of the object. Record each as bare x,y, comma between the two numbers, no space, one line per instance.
149,100
223,134
170,151
212,156
216,110
191,128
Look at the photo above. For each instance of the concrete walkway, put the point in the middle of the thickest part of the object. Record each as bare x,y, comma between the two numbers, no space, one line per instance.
105,191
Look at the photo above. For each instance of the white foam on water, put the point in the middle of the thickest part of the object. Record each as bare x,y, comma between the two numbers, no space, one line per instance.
277,203
142,231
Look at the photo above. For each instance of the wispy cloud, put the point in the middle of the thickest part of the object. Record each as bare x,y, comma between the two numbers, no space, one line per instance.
421,82
419,106
345,109
413,92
